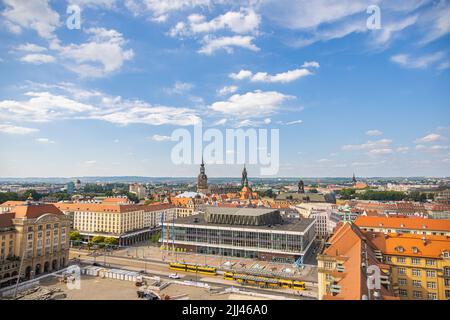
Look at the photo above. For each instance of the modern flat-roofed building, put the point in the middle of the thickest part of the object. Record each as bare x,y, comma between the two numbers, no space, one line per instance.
242,232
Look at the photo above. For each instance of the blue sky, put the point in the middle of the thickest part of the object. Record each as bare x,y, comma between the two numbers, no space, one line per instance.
103,99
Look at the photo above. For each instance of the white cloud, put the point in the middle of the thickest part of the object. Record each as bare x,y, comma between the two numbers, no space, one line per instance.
160,138
30,47
294,122
46,106
251,104
311,64
389,30
104,53
179,87
324,20
38,58
369,145
436,22
433,137
45,141
381,151
438,147
41,107
283,77
374,133
162,8
402,149
211,44
90,162
108,4
421,62
36,15
227,90
220,122
240,22
243,74
433,149
10,129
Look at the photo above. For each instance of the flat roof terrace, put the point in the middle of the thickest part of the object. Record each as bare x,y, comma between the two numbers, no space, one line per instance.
286,225
242,216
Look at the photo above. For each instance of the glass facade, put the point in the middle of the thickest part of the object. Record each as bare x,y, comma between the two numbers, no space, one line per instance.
243,241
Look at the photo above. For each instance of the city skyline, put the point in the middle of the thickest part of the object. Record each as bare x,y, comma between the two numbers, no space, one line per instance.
103,100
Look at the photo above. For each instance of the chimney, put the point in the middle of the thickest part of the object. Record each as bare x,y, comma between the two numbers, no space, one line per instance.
424,239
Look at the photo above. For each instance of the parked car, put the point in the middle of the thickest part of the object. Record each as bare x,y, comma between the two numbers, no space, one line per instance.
174,276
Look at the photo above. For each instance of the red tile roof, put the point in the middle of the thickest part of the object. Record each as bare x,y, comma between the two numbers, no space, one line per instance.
403,223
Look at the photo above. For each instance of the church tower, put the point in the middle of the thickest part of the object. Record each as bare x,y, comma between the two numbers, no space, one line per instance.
301,187
244,180
202,180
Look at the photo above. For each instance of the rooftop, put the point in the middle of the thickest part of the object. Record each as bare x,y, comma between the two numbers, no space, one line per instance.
293,225
403,223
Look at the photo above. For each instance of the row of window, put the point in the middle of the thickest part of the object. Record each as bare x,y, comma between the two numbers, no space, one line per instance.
41,227
417,272
414,261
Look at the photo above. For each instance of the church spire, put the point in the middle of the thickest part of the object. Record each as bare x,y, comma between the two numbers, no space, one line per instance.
244,180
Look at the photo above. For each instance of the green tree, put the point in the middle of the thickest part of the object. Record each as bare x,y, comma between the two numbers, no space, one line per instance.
98,239
8,196
155,237
313,191
33,193
132,197
74,236
111,241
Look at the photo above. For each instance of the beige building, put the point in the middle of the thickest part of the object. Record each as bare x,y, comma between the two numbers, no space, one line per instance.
36,233
128,223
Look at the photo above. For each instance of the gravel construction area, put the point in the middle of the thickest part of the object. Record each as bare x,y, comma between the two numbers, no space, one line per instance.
95,288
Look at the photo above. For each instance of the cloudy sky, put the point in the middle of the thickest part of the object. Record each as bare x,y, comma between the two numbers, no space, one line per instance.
104,99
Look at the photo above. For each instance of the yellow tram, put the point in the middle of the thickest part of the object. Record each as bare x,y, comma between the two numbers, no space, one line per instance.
265,282
193,268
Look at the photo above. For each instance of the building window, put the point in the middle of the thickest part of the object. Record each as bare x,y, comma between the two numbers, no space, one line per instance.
447,282
447,294
431,285
417,294
415,260
447,271
431,262
401,282
431,274
417,283
403,292
416,273
432,296
401,260
402,271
